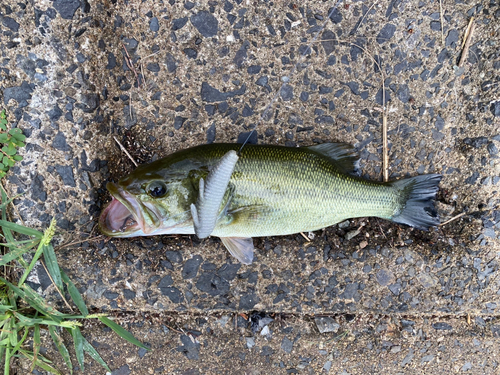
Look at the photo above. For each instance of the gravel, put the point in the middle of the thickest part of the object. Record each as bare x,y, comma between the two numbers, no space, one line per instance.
248,301
211,131
190,268
10,23
189,348
21,94
385,277
286,345
206,24
335,15
210,94
286,92
494,108
179,23
154,25
326,324
386,33
123,370
66,8
442,326
66,173
60,142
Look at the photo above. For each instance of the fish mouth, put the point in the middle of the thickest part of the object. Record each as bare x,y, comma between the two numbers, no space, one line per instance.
125,216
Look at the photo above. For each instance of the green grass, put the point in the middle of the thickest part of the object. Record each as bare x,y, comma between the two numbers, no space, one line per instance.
11,140
23,312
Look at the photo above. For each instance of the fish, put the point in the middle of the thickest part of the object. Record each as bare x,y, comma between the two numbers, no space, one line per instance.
265,190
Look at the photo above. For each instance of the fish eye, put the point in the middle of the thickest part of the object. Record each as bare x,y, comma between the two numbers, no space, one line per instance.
157,189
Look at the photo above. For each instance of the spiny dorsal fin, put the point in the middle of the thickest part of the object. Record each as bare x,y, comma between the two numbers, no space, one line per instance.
341,154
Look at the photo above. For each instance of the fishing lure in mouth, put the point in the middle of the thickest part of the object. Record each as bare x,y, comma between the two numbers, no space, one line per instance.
262,191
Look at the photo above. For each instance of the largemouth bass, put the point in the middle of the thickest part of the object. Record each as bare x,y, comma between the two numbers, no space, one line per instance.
272,191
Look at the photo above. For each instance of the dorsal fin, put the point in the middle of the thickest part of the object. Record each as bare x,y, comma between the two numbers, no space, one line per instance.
341,154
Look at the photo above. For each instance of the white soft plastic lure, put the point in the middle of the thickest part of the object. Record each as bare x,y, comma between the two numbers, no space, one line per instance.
212,192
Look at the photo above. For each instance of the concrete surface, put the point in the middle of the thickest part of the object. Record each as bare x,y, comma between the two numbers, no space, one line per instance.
206,71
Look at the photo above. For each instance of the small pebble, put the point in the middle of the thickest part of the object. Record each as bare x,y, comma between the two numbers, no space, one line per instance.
326,324
154,25
386,33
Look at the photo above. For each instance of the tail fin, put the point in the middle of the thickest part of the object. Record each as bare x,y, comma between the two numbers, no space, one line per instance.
418,195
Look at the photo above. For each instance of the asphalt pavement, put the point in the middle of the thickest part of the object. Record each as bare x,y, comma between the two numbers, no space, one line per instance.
363,296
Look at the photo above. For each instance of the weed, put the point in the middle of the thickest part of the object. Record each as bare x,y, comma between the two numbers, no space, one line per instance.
23,312
11,140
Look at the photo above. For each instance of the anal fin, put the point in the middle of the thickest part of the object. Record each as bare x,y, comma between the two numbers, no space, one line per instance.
240,247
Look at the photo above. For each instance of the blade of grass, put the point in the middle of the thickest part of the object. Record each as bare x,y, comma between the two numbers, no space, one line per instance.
11,326
28,269
78,340
36,344
93,353
22,262
3,336
25,321
44,241
4,205
38,300
18,346
19,243
75,294
7,361
41,363
14,254
52,266
5,196
35,301
61,347
122,332
12,337
20,229
7,233
12,298
13,289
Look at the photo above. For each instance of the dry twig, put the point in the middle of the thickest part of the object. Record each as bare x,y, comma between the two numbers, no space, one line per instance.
452,219
307,238
125,151
130,65
60,292
72,243
442,20
142,72
467,39
363,18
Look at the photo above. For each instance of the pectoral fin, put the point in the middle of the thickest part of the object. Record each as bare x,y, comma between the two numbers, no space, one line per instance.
240,247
